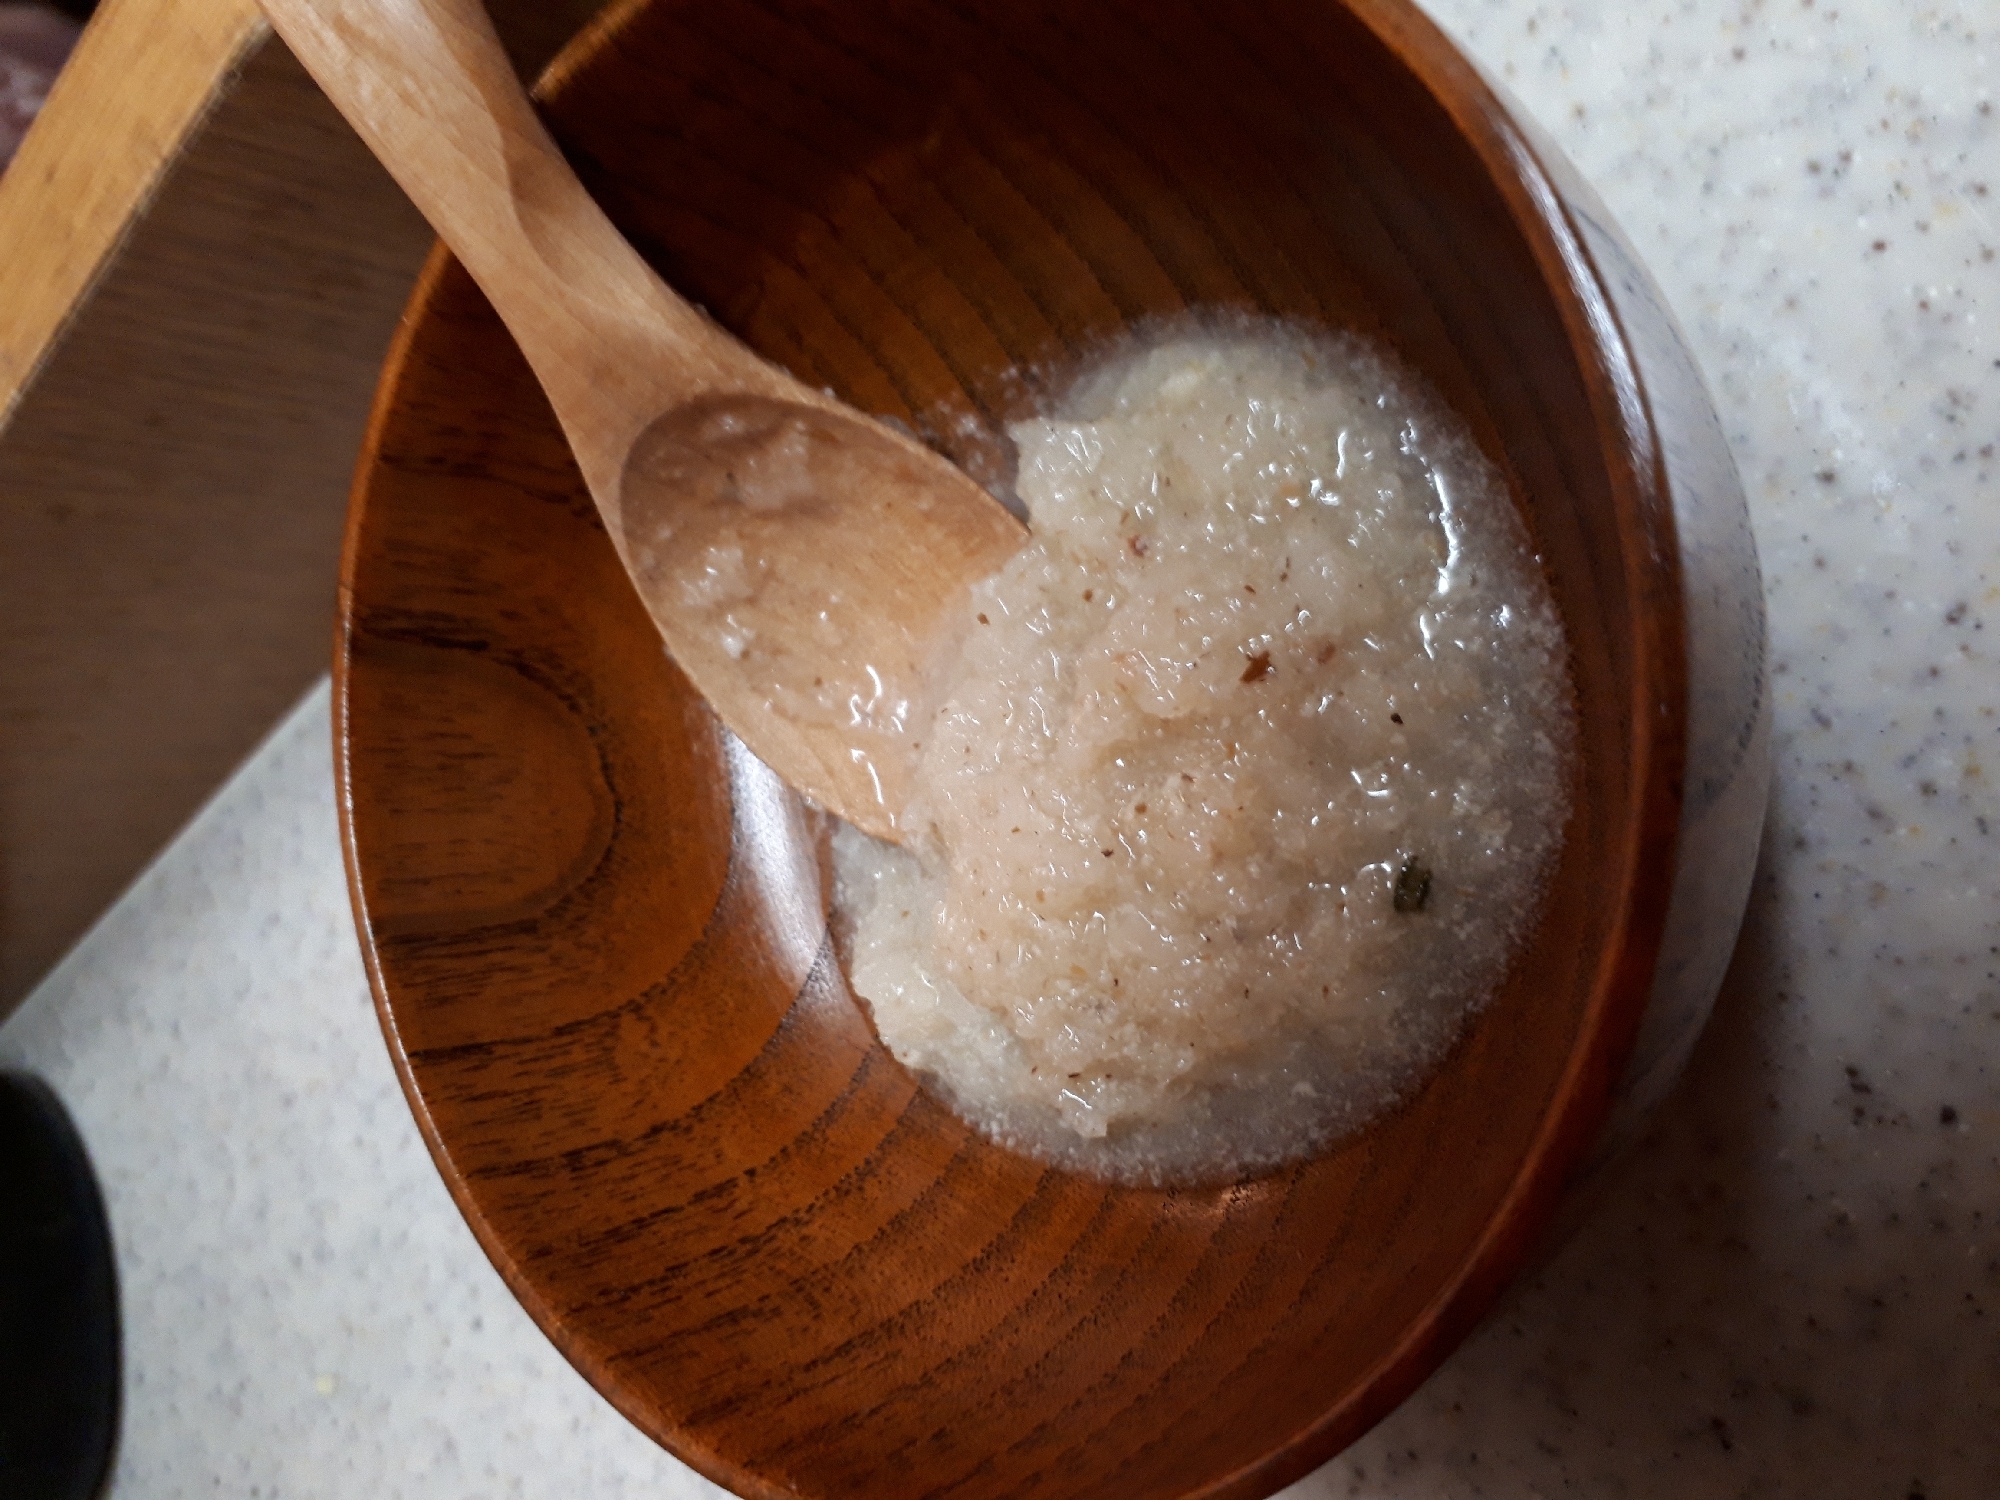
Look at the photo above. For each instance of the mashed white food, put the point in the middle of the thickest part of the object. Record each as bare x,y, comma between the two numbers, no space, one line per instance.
1246,780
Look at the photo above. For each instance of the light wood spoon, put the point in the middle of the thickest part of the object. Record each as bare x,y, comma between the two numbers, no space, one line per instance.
799,559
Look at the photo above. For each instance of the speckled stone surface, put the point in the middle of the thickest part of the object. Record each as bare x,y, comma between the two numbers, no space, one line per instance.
1793,1287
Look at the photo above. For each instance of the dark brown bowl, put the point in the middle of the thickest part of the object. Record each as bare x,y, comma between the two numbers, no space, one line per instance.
596,929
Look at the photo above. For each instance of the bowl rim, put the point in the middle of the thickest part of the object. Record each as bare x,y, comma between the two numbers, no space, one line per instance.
1535,180
1532,179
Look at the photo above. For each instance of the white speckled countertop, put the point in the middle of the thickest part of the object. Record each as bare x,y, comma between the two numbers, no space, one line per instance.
1794,1287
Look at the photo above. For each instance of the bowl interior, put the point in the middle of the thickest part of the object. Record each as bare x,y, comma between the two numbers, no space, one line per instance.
595,925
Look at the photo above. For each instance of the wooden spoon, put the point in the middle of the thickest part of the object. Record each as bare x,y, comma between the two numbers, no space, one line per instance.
798,558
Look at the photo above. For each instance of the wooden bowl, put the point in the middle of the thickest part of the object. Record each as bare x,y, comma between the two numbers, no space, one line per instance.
596,927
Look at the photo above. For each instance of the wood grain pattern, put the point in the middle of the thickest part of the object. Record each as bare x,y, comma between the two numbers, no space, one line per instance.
173,480
609,989
200,270
861,540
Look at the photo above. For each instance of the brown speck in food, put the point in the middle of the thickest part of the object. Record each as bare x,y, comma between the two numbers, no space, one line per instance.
1947,1116
1137,544
1326,653
1249,588
1413,886
1076,1075
1395,718
1105,852
1139,807
984,621
1088,595
1259,668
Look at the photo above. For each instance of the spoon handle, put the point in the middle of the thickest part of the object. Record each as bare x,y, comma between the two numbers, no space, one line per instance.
428,88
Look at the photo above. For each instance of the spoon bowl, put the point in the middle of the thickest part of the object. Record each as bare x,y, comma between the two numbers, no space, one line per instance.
798,558
596,926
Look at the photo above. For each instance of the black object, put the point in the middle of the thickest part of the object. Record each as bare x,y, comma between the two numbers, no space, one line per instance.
58,1304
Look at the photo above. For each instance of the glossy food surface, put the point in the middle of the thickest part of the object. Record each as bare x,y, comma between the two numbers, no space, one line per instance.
1245,781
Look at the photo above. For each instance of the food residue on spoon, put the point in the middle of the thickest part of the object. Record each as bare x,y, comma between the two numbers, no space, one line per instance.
1246,780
